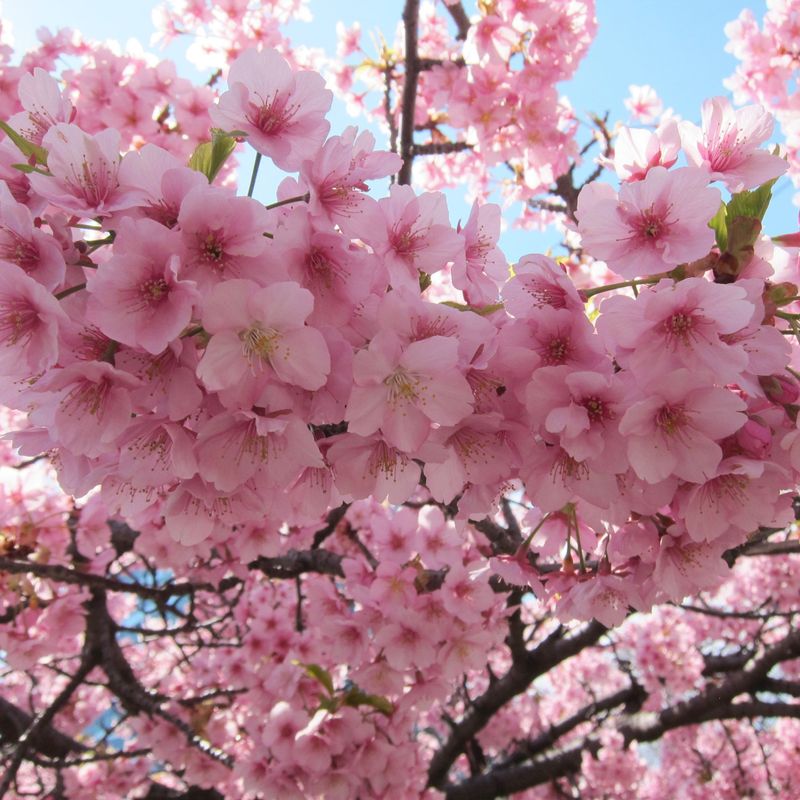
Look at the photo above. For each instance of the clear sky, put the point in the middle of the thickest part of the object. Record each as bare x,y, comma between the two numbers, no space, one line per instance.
677,47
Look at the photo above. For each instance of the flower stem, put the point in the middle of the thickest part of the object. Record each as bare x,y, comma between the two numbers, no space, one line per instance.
527,543
587,293
71,290
300,198
256,165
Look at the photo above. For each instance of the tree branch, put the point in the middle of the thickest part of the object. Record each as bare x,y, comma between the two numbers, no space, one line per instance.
64,574
440,148
460,18
410,22
47,740
41,723
552,651
296,562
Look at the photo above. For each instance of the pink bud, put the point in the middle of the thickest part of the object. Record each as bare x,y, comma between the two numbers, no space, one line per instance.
754,438
780,388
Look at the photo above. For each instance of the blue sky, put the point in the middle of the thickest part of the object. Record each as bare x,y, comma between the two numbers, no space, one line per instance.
677,47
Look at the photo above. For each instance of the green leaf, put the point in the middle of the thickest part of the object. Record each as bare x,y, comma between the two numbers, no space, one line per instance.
482,311
28,168
329,704
355,697
751,204
28,149
319,674
209,157
742,235
719,224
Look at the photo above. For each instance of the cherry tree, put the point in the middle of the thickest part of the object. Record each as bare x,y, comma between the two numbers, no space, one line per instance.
323,497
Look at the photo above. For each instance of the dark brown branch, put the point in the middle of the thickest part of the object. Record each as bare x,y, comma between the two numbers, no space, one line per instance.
773,548
715,703
719,613
296,562
753,710
409,100
499,783
552,651
502,540
48,740
41,722
122,681
779,686
64,574
426,63
159,792
633,696
716,698
461,20
730,662
335,516
440,148
753,546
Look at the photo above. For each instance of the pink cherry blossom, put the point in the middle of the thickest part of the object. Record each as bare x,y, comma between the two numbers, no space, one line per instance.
234,447
676,427
255,330
685,324
413,234
29,325
652,225
402,390
86,406
370,466
644,104
281,111
742,491
637,150
136,296
483,266
162,178
223,235
337,176
727,145
83,172
44,106
23,244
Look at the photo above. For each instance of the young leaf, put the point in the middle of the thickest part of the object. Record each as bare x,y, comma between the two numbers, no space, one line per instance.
319,674
209,157
28,149
751,204
355,697
718,223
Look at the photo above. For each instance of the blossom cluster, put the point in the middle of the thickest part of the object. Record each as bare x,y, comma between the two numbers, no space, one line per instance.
767,68
485,92
210,362
342,690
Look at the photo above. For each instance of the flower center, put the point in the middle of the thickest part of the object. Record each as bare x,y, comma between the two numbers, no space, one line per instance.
258,344
556,351
17,320
211,249
671,419
595,408
402,386
19,251
272,115
153,291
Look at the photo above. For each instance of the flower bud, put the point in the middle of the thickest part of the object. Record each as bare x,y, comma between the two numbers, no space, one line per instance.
780,389
754,437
